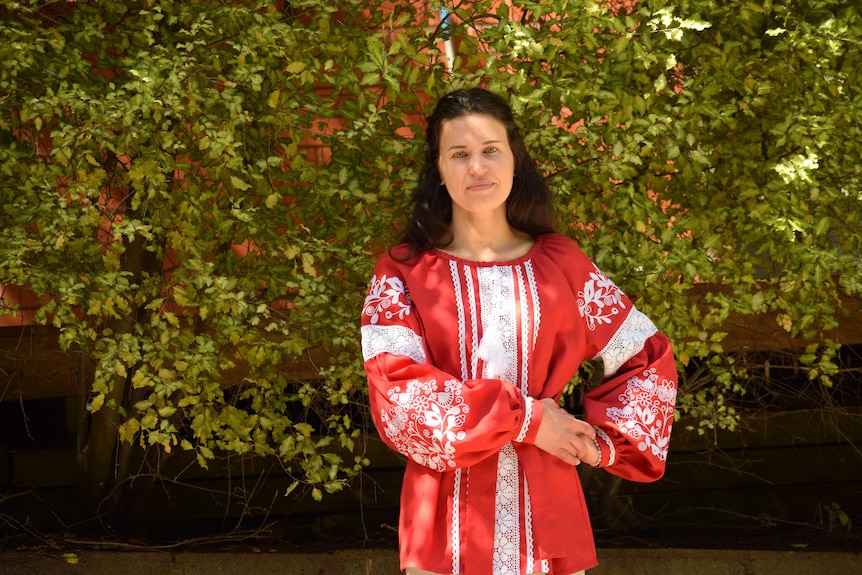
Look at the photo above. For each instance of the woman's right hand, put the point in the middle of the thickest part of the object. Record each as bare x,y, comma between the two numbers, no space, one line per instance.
565,436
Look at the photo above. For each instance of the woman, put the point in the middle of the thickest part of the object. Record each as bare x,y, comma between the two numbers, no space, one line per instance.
471,329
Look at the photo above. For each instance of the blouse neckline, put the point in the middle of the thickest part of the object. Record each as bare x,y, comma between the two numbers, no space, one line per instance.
528,255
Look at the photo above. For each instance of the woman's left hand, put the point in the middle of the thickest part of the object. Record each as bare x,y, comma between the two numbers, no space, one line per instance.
565,436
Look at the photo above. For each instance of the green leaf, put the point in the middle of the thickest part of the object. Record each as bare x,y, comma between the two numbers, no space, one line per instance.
197,207
272,102
239,184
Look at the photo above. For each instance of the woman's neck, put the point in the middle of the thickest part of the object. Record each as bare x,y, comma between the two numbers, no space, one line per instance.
487,243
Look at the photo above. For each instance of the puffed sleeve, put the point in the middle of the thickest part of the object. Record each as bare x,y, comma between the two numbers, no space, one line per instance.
632,410
432,417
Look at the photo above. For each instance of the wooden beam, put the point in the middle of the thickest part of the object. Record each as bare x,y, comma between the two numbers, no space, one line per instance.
763,332
32,365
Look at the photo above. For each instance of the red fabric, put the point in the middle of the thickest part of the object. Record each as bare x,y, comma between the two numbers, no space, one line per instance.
478,497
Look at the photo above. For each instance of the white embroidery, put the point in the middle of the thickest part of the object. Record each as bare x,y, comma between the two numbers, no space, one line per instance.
599,300
386,293
646,414
498,347
528,415
627,342
507,532
394,339
423,423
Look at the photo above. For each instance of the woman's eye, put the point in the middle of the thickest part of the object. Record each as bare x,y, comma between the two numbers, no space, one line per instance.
491,150
459,155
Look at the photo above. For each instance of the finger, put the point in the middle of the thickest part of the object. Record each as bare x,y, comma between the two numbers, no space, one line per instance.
574,445
568,457
584,428
574,424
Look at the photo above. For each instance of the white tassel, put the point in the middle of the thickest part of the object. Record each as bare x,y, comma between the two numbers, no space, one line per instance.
492,352
491,349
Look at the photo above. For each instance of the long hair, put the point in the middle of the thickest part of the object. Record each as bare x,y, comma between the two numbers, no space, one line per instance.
528,207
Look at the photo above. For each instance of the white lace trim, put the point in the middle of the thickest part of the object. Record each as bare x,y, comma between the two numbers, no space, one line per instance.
525,339
609,445
599,300
627,342
424,423
507,531
528,526
528,415
459,307
456,523
498,348
474,320
646,414
394,339
537,308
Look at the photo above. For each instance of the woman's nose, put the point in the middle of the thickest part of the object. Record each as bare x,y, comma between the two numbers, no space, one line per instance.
477,165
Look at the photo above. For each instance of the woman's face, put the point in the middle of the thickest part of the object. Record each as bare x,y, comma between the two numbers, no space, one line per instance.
476,164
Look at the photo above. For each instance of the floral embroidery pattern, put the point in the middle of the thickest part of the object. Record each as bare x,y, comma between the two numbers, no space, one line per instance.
388,297
646,414
599,300
423,423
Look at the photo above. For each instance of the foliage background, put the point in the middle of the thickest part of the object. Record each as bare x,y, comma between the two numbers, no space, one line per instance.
195,193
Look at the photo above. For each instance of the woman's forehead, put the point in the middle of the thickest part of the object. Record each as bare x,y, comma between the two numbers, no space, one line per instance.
472,128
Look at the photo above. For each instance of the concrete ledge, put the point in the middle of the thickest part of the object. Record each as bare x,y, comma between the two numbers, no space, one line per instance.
385,562
724,562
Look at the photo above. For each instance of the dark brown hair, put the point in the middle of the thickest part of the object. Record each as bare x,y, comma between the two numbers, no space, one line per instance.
528,208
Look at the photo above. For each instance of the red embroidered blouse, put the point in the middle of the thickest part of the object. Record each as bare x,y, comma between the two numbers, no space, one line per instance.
458,353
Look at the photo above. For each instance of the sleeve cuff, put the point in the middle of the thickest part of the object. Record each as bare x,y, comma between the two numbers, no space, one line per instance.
607,446
533,411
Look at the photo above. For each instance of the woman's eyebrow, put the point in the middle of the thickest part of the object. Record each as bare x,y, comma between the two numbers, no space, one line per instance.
485,143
